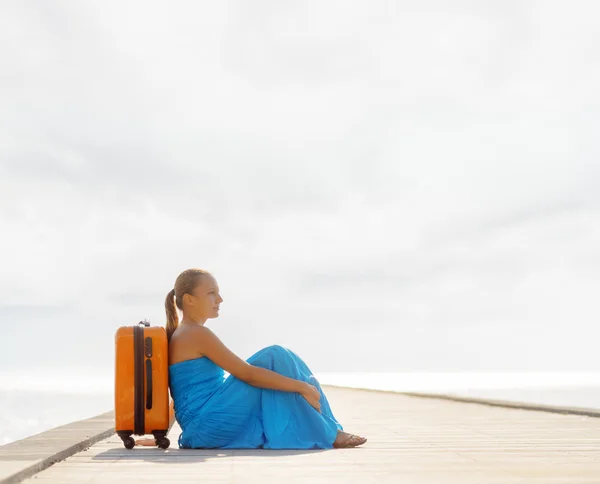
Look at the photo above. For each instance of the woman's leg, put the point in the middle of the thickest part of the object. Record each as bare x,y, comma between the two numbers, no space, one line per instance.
343,439
289,420
287,363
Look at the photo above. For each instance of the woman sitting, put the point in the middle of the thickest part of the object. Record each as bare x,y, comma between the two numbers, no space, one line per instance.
269,401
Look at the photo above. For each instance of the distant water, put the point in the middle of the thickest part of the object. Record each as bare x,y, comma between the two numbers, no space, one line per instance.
562,389
26,413
38,401
30,404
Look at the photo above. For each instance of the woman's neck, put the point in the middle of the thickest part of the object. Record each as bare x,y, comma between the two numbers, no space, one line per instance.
193,322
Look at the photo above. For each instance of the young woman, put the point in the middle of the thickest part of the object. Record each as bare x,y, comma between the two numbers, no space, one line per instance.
269,401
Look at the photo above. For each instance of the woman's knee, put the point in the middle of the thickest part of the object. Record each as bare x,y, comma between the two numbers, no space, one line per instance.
276,348
269,355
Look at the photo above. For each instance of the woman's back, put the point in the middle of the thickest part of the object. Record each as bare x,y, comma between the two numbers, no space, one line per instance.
182,344
193,382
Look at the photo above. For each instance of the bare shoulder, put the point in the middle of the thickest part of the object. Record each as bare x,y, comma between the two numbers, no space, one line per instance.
187,342
196,341
199,331
200,336
204,339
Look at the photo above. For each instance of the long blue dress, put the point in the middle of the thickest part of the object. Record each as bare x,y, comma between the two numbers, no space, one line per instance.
218,412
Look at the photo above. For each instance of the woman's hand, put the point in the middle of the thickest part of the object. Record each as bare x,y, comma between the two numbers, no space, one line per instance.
312,395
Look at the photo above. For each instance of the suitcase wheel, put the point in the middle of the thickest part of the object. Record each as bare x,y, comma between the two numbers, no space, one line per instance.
127,439
129,443
163,443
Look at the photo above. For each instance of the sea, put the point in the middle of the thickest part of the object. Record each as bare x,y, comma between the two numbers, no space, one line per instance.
36,402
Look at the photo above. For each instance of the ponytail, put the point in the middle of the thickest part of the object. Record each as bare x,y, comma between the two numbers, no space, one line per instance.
172,317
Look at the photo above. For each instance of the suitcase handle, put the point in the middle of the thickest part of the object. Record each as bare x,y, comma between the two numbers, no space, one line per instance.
148,384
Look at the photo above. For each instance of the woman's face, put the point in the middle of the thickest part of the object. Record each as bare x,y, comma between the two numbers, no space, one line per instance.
206,298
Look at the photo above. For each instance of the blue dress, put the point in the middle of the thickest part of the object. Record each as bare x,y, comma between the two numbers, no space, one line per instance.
218,412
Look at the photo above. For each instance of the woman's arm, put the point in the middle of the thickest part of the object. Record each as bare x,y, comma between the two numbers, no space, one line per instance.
211,346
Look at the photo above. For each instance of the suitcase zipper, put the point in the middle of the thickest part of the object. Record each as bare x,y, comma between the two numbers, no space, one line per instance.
138,366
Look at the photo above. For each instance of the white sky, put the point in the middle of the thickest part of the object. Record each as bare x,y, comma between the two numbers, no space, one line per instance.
407,185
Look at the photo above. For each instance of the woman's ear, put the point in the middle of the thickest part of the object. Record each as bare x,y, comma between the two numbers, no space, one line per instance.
187,298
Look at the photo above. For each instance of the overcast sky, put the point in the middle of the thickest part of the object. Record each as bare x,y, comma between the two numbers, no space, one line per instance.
408,185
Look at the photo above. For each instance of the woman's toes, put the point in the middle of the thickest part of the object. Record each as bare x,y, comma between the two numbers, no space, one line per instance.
357,440
345,440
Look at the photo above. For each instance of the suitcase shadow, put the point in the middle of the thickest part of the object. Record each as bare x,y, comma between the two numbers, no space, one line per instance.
183,456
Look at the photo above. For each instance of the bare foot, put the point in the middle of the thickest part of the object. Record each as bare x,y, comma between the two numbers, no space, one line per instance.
146,442
344,440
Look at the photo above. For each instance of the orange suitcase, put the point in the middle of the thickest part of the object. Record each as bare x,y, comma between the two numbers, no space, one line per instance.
142,384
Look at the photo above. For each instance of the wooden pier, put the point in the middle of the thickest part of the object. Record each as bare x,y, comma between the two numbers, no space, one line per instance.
412,440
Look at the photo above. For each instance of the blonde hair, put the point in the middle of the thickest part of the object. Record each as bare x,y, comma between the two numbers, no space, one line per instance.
185,283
